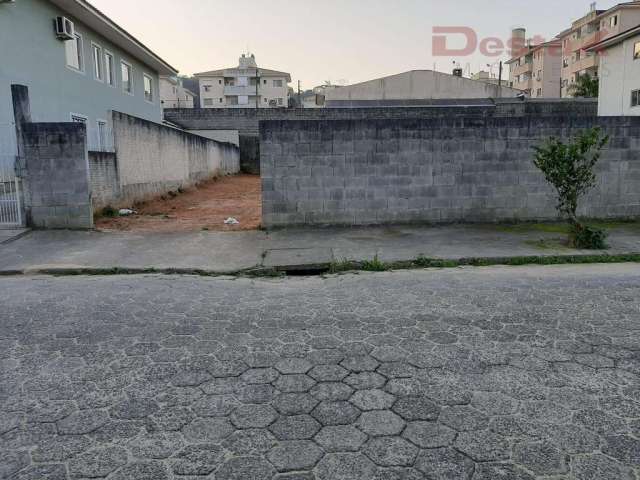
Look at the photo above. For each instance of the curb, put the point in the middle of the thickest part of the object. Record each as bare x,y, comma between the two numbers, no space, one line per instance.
335,268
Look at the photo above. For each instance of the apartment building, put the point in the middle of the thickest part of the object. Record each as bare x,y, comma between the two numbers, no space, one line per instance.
577,57
619,57
78,64
244,86
535,69
173,93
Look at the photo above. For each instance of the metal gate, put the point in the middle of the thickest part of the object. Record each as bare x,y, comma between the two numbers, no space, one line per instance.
10,208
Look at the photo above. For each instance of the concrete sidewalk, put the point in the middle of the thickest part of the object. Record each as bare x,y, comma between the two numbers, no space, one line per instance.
226,252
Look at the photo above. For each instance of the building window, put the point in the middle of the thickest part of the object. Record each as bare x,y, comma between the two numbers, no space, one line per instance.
208,102
265,82
148,88
73,50
221,100
266,99
108,68
565,62
636,51
613,21
281,101
539,92
635,98
96,51
127,78
277,83
102,135
207,88
219,82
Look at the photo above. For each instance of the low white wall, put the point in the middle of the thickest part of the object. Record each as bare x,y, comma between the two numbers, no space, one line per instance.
225,136
153,158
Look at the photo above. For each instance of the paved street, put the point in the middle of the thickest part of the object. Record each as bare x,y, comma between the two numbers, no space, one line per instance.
483,374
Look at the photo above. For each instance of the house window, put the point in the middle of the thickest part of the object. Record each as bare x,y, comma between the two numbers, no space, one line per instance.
108,68
73,50
281,101
265,82
221,100
102,135
127,78
96,50
207,88
539,92
277,83
208,102
148,88
635,98
266,99
613,21
565,62
219,82
636,51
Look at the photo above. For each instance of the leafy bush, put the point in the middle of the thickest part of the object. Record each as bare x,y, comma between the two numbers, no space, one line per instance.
589,238
109,211
375,265
569,167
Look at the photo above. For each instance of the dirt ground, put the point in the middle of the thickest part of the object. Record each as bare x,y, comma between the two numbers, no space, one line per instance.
204,207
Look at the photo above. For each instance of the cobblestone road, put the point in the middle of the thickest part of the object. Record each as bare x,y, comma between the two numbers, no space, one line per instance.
460,374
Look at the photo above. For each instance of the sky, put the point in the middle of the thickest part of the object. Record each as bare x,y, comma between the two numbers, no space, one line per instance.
342,41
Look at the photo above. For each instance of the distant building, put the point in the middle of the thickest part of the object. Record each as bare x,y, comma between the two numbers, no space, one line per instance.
414,87
244,86
487,77
535,69
173,94
78,64
620,86
597,25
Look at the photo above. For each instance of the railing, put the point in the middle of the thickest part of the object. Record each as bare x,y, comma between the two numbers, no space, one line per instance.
100,138
10,208
237,90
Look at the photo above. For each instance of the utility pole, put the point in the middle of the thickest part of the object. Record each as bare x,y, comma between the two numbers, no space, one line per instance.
299,96
500,81
257,85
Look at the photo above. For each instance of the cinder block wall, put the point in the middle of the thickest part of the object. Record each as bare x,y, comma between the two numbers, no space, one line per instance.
57,193
105,185
449,168
154,158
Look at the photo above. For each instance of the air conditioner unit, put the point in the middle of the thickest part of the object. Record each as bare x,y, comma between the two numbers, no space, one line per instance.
65,29
7,1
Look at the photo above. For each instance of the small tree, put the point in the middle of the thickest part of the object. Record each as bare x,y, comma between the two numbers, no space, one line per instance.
570,169
586,86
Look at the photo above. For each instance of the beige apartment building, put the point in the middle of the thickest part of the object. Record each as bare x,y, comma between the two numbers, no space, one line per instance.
244,86
596,26
535,69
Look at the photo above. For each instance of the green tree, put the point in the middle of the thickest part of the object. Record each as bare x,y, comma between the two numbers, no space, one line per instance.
586,86
569,167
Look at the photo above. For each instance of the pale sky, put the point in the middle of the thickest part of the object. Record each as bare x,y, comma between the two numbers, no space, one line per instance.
318,40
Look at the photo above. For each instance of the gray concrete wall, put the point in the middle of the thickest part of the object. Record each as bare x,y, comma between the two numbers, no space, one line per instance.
436,170
154,158
57,193
105,184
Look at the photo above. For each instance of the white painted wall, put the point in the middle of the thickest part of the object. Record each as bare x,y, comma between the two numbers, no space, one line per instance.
619,76
225,136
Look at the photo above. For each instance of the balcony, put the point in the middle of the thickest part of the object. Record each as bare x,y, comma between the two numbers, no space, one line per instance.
240,91
520,69
585,63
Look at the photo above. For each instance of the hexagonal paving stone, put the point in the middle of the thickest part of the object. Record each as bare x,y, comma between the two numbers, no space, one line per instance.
494,403
295,427
464,418
295,476
156,446
294,383
380,423
599,467
335,413
221,369
215,405
372,400
288,366
390,451
365,380
12,462
345,466
245,468
416,408
40,472
429,434
340,438
500,471
295,455
134,408
261,393
253,416
99,462
82,422
444,463
250,442
259,375
190,378
207,430
542,458
623,447
328,373
332,392
172,418
397,370
398,473
360,364
483,446
142,471
294,403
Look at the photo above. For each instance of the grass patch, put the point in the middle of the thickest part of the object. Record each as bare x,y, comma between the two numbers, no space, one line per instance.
340,266
548,244
375,265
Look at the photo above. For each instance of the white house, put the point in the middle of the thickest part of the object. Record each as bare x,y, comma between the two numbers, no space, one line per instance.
173,94
244,86
619,73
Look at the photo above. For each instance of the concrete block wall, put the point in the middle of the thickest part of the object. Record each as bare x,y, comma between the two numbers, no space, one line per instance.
434,170
153,158
57,193
105,184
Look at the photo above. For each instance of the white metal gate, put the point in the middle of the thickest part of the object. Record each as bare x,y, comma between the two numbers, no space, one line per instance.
10,208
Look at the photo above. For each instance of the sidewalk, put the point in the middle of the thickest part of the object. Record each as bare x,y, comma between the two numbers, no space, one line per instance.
227,252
